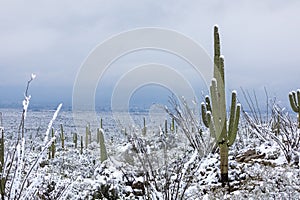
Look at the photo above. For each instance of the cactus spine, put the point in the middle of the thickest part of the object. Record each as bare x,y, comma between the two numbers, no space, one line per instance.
103,153
214,111
294,98
62,136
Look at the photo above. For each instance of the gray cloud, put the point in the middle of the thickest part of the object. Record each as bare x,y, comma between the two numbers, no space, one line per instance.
52,38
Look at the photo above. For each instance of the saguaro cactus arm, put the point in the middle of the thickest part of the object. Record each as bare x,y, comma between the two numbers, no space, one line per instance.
205,107
295,100
235,110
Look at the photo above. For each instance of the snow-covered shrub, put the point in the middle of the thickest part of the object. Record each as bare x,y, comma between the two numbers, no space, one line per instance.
276,126
17,179
187,119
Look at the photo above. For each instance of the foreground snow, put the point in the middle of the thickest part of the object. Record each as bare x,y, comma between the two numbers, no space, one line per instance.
157,166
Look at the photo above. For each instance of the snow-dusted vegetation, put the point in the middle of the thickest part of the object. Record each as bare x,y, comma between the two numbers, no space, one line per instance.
263,162
200,151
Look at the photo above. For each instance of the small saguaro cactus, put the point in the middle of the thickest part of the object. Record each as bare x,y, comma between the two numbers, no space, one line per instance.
214,110
2,178
294,98
62,136
172,128
87,134
103,153
75,137
81,145
166,126
144,130
1,149
53,146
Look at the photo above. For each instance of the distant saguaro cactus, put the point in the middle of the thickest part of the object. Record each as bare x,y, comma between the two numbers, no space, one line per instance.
294,98
87,135
1,149
62,136
103,153
166,126
214,111
2,178
172,128
53,145
81,145
75,137
144,130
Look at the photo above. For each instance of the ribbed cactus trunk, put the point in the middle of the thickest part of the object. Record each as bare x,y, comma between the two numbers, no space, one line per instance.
103,153
214,110
220,102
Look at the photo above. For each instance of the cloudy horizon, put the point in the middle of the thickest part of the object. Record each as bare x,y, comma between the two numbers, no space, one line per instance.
53,38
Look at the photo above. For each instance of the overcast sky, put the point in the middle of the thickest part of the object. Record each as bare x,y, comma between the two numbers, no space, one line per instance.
260,40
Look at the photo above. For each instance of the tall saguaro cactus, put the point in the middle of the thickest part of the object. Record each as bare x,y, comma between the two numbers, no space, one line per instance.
294,98
214,110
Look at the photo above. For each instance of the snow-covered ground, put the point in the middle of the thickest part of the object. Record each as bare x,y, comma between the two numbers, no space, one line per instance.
156,165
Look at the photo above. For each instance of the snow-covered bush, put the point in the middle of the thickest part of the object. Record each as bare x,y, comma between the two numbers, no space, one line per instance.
276,126
17,178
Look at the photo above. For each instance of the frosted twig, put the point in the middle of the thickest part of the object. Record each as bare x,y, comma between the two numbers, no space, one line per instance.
51,122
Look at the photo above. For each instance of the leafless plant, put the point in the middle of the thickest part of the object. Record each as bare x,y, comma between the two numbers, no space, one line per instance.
15,175
170,180
190,124
276,126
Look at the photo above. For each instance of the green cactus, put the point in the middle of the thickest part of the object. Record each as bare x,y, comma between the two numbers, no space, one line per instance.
166,126
103,153
1,149
98,136
53,146
204,108
81,145
294,98
87,133
172,128
75,137
49,153
2,178
214,110
144,130
62,136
